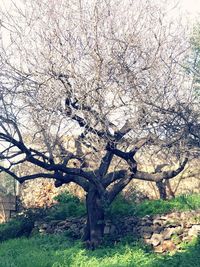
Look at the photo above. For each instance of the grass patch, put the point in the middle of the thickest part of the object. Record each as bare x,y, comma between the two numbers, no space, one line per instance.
122,207
58,251
180,203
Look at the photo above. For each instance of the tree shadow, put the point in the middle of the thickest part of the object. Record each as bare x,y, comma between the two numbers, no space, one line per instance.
139,255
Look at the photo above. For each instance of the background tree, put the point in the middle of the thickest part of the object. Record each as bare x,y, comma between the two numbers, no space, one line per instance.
193,66
107,73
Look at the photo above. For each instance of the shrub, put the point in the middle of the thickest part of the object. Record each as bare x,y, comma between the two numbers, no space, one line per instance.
68,206
16,228
67,197
21,225
120,207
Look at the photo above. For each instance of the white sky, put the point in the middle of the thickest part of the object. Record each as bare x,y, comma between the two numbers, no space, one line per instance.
192,7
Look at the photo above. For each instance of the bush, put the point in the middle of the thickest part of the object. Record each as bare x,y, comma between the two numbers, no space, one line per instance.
120,207
21,225
16,228
67,197
68,206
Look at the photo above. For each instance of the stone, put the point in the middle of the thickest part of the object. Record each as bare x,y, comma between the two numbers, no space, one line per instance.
146,229
168,245
158,222
163,217
55,222
187,238
158,249
147,235
145,223
107,230
174,215
194,230
112,229
156,239
168,232
62,223
146,232
42,231
147,241
44,226
187,225
173,223
157,228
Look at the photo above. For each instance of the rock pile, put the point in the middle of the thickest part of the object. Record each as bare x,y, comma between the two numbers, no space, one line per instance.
162,232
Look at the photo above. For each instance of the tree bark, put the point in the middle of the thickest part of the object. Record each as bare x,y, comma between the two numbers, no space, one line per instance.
161,185
171,192
162,188
94,229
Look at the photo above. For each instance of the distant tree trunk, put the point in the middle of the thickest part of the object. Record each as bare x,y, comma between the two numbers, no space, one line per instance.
94,229
171,192
162,188
161,185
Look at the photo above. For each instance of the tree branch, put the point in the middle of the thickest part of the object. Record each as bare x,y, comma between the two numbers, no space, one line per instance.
105,163
156,177
114,176
119,186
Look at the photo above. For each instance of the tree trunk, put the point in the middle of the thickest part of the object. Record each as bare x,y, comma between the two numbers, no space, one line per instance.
94,229
171,192
161,185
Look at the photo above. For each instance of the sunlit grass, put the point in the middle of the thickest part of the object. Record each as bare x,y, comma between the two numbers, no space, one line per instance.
57,251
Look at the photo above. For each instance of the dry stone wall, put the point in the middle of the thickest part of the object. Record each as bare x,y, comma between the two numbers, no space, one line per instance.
162,232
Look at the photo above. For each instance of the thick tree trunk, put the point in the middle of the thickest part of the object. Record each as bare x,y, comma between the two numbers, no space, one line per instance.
94,229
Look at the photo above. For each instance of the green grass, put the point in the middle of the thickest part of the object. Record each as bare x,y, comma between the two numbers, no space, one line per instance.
58,251
122,207
70,206
61,251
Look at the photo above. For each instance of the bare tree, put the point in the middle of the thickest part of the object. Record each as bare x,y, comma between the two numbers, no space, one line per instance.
108,73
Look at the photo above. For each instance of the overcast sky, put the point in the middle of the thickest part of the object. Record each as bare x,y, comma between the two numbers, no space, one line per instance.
191,6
